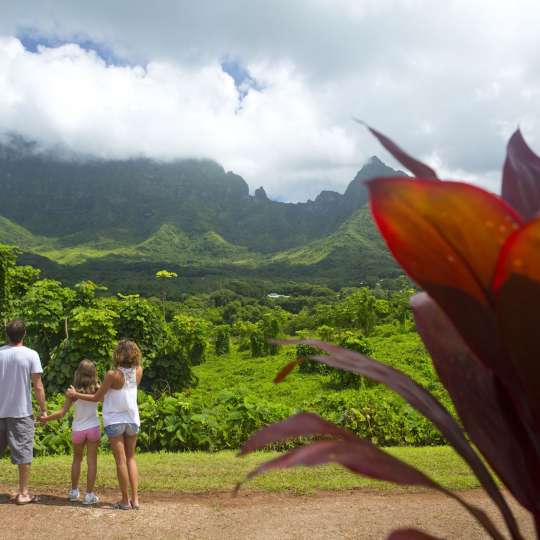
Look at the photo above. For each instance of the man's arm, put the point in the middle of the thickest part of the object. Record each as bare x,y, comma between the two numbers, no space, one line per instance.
39,392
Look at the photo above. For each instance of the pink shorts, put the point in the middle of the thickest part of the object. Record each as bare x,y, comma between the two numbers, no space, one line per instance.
91,435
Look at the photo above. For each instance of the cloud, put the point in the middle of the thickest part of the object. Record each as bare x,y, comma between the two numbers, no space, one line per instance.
70,97
269,88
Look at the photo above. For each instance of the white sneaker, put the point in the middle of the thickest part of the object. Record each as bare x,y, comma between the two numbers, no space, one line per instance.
90,498
73,495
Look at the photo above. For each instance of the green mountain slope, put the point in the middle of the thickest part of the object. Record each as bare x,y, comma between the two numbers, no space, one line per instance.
355,252
117,222
11,233
128,201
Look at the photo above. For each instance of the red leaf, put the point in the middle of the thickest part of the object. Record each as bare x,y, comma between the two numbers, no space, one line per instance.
362,457
448,237
416,167
517,301
443,233
285,370
421,400
299,425
411,534
482,404
521,177
520,255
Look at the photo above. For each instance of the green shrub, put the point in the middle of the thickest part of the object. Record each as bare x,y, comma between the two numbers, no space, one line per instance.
170,367
256,343
54,437
378,415
92,335
192,334
307,365
345,379
222,339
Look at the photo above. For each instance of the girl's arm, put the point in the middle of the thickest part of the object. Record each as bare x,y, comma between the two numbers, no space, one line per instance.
58,414
138,374
71,393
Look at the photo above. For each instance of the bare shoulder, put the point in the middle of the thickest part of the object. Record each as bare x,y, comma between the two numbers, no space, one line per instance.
111,375
138,373
114,378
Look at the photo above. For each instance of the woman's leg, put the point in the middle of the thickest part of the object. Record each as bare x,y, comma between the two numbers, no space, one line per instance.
130,443
119,452
91,460
78,451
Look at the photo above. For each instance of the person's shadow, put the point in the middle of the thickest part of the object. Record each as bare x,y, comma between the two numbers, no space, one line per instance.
52,500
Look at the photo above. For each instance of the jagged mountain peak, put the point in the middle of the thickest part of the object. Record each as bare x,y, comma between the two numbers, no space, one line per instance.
260,194
373,168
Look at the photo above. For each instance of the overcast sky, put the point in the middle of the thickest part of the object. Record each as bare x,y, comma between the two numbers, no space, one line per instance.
268,88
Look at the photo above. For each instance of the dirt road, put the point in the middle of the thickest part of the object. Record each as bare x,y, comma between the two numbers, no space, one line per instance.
352,514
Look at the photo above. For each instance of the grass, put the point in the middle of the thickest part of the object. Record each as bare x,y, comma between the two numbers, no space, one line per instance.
199,472
256,375
402,351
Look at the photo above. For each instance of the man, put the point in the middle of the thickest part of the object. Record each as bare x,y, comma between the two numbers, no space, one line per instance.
19,366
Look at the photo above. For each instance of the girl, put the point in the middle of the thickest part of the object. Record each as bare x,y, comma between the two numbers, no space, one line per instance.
84,430
121,416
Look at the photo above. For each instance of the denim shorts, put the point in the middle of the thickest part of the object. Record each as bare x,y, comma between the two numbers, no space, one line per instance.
116,430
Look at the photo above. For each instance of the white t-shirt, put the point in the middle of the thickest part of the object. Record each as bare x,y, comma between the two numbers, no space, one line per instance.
17,364
85,415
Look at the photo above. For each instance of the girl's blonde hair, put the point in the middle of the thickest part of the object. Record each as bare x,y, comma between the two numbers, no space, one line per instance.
127,354
85,379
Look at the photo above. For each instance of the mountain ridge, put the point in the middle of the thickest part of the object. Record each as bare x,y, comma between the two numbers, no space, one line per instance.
190,213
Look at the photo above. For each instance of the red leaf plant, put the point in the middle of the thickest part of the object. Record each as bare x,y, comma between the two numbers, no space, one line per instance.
477,258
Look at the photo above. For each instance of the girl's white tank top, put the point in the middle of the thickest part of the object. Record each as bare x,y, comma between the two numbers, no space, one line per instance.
120,406
85,416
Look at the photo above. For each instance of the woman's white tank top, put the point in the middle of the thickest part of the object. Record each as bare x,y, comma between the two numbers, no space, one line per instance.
85,416
120,406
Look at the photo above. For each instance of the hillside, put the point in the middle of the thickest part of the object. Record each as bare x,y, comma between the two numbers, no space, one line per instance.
128,201
107,220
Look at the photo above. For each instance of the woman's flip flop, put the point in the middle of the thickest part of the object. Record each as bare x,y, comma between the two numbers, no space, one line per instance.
120,506
32,499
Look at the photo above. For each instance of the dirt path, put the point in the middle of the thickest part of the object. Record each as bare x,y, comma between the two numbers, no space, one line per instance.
352,514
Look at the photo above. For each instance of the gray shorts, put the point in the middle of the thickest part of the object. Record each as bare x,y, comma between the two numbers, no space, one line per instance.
18,434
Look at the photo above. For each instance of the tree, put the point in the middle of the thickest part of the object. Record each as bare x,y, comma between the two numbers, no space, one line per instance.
139,320
92,335
222,339
85,293
45,307
271,329
192,334
8,257
170,370
22,278
345,379
163,276
256,341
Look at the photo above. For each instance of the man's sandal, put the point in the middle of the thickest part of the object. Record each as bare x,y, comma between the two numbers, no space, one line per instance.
19,502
